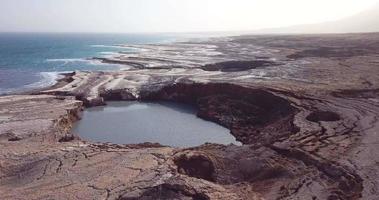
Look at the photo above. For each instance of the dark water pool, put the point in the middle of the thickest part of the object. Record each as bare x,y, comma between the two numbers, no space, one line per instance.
138,122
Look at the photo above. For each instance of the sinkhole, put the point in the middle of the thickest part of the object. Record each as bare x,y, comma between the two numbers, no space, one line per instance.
167,123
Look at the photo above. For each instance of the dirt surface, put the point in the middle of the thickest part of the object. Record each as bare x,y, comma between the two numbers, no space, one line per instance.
305,107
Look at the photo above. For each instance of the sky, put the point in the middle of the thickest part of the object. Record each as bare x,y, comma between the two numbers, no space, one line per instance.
169,15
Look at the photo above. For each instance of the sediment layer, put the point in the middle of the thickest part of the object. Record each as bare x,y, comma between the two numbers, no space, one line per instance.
308,123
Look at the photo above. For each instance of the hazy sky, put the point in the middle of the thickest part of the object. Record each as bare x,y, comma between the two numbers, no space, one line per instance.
168,15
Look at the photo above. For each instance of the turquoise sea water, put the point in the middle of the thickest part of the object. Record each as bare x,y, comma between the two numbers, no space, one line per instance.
33,60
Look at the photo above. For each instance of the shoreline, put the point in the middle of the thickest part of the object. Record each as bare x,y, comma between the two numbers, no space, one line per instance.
301,139
41,82
66,77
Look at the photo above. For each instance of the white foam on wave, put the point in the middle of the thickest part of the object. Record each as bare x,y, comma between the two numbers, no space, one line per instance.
65,61
134,48
109,54
97,64
108,46
4,91
47,79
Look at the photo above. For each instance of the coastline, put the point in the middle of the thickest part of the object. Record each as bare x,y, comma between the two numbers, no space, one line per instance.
307,119
112,58
63,78
67,52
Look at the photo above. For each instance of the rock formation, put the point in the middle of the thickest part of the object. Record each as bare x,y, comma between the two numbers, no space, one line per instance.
305,108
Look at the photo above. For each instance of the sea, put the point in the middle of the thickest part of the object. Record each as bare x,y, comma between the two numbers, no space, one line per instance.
34,60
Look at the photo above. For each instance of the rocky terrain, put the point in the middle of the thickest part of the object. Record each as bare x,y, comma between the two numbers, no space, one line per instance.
305,107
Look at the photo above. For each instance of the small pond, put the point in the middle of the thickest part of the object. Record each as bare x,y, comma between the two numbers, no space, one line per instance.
166,123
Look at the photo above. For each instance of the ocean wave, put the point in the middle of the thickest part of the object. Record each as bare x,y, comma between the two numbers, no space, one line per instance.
124,48
108,46
47,79
109,53
65,61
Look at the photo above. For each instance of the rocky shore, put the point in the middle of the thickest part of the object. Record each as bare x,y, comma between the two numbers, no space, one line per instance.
305,107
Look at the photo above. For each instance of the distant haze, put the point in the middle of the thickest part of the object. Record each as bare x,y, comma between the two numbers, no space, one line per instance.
182,15
366,21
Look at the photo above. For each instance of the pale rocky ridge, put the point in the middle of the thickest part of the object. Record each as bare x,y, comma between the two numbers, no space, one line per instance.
305,107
